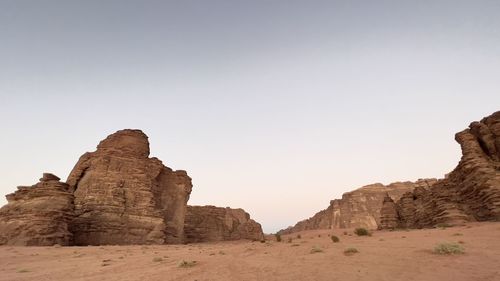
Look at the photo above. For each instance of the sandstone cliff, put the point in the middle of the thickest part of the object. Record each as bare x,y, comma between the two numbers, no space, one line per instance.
358,208
38,215
124,197
209,223
471,192
117,195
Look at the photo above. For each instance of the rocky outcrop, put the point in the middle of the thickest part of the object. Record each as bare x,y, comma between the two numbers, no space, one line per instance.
358,208
124,197
38,215
471,192
388,214
117,195
209,223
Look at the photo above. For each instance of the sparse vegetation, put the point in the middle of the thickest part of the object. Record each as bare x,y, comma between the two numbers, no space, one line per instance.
457,234
289,240
278,237
316,249
263,241
350,251
186,264
443,225
345,232
362,232
157,259
448,249
335,239
295,245
299,236
22,271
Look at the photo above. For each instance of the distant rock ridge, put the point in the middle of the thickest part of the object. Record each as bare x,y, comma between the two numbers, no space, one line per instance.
116,195
471,192
358,208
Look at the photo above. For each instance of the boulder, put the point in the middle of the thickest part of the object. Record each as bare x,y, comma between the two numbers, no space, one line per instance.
210,223
38,215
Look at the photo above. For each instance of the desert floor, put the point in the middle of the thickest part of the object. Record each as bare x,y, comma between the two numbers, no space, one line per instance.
386,255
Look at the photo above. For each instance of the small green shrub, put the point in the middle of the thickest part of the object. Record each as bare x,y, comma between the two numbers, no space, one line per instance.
186,264
316,249
335,239
278,237
350,251
443,225
362,232
449,249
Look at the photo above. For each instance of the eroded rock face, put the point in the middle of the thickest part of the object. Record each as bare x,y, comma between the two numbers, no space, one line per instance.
210,223
38,215
471,192
388,214
124,197
358,208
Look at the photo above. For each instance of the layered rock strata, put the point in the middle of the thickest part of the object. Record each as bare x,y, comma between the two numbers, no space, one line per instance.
388,214
210,223
38,215
124,197
358,208
471,192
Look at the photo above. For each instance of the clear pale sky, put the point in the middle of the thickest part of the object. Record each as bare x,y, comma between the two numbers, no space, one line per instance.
273,106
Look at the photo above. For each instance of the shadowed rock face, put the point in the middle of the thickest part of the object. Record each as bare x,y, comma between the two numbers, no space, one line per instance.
124,197
471,192
38,215
209,223
358,208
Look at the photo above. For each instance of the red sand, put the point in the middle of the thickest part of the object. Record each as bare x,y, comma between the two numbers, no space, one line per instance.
396,255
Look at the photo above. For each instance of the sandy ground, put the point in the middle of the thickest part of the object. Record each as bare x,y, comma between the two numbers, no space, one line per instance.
386,255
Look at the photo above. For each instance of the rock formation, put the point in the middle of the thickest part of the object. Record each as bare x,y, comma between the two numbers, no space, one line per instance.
358,208
124,197
388,214
471,192
209,223
38,215
117,195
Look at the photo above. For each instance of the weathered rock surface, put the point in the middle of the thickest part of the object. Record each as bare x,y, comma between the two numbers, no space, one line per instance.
124,197
471,192
210,223
358,208
388,214
38,215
